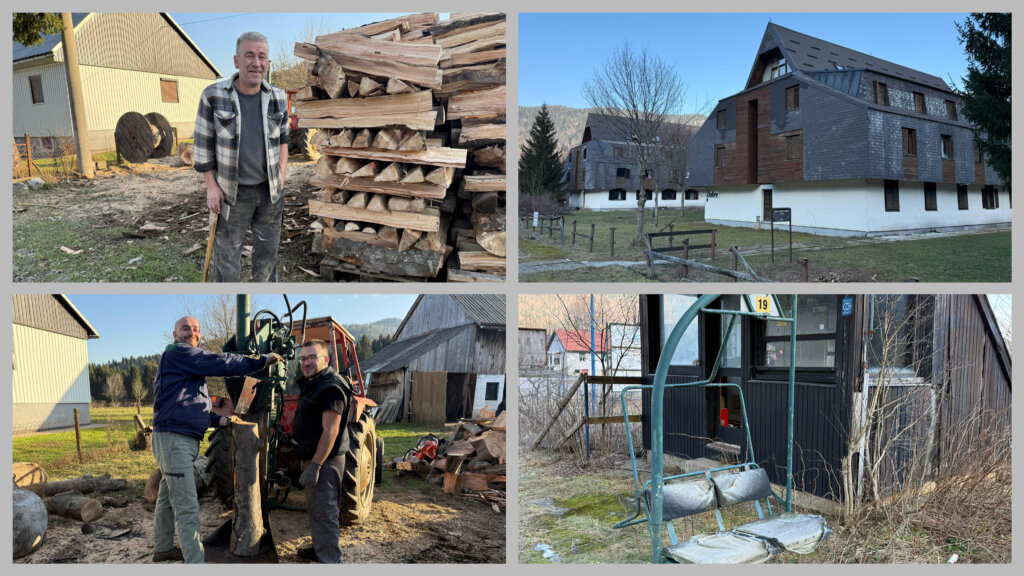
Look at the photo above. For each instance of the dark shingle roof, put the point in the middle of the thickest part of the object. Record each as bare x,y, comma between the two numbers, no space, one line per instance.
22,52
810,54
602,127
485,309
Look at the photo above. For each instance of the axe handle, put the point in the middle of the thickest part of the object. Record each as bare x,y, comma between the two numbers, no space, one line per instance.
214,217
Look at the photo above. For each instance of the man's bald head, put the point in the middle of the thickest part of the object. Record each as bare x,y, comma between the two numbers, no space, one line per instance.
186,331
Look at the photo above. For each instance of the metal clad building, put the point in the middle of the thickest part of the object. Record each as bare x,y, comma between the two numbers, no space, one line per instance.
129,62
51,362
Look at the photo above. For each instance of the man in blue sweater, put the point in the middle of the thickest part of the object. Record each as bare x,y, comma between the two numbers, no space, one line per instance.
181,416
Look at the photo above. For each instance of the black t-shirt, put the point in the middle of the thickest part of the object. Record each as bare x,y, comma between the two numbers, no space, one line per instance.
327,390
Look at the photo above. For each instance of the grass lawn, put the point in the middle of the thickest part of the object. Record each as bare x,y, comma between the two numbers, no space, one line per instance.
974,257
61,167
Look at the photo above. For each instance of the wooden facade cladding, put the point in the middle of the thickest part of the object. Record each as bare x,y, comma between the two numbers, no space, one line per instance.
949,172
759,156
909,167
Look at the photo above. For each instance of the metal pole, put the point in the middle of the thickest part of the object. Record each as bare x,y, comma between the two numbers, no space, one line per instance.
791,239
789,411
242,313
593,355
586,416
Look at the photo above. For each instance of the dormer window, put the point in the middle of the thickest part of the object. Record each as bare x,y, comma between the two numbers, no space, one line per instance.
775,68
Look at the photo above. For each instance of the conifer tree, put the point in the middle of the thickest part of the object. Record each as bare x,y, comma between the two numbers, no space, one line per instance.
988,86
540,168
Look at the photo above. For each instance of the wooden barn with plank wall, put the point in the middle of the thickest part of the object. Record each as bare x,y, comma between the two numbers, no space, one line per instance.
940,359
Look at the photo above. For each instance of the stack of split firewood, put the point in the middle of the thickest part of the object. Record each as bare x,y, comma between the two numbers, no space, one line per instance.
470,462
391,161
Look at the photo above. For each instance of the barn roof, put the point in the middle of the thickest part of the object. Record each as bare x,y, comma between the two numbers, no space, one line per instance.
66,303
486,309
400,354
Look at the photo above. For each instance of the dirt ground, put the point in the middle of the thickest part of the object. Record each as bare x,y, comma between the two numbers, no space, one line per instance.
167,192
413,522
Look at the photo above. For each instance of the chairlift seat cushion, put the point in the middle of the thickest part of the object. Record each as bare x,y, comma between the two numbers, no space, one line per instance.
742,487
720,548
800,533
685,498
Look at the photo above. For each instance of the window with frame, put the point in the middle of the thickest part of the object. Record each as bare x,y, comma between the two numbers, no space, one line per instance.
794,146
733,355
881,93
622,172
617,194
909,142
793,97
951,110
687,352
35,85
961,196
584,153
989,197
491,391
719,156
919,103
947,147
892,195
817,319
168,90
899,341
618,152
977,153
720,119
778,68
668,194
930,202
648,195
691,195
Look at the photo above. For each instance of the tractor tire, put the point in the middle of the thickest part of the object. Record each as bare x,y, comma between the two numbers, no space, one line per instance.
378,473
297,142
219,475
360,466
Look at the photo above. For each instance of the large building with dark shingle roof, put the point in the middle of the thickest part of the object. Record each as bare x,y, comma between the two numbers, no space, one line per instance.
853,144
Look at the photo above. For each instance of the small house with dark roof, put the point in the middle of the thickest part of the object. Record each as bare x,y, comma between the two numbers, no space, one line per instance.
50,376
602,175
445,361
129,62
853,144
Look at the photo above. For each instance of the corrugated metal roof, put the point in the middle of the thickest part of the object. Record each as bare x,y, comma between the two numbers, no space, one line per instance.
846,81
22,52
810,54
401,353
486,309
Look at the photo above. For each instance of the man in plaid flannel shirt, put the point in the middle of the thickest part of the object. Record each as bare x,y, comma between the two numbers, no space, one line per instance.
241,148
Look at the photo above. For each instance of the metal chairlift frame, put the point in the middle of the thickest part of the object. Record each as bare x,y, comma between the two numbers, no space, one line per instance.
653,510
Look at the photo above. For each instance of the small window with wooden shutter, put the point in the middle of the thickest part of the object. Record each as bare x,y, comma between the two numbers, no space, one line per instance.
919,103
892,196
961,197
168,90
951,110
881,94
947,147
909,142
793,97
794,146
35,84
930,202
720,120
720,157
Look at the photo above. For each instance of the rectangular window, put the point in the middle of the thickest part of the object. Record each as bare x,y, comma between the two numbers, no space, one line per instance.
930,202
35,84
815,332
793,97
899,342
794,146
909,142
617,194
720,157
583,356
989,197
491,392
648,195
881,94
892,196
622,172
168,90
687,352
961,196
668,194
720,119
618,152
947,147
951,110
919,103
733,355
977,154
691,195
584,153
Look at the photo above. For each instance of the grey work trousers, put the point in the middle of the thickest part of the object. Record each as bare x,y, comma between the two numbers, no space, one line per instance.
323,504
177,504
252,206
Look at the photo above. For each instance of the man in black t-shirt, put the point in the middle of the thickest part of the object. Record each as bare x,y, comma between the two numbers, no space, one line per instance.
321,437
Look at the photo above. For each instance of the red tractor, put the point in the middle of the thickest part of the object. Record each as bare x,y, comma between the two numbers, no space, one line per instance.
272,400
296,135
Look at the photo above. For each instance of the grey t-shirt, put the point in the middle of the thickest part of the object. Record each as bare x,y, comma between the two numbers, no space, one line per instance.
252,150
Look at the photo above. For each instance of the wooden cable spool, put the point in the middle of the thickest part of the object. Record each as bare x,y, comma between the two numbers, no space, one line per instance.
137,138
166,139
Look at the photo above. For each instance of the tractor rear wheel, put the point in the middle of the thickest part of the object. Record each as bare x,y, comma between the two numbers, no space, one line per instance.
360,471
220,477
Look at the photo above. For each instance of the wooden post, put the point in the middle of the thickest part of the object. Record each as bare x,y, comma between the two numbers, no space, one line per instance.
803,264
247,526
28,153
561,230
735,262
78,438
591,236
551,227
613,242
671,228
686,256
574,233
712,244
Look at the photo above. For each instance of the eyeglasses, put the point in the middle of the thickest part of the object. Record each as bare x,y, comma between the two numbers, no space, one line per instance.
312,358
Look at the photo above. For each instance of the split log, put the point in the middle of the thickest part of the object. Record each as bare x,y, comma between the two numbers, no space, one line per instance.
462,448
396,86
483,261
362,139
499,423
320,137
370,230
388,174
342,139
488,202
344,165
75,505
413,140
406,204
414,121
326,164
489,102
358,200
377,203
425,222
490,156
341,197
490,232
472,58
475,133
472,78
403,23
455,275
368,170
370,87
85,485
452,483
462,22
490,445
427,191
409,238
247,525
388,234
440,176
413,175
378,49
353,88
359,236
352,227
387,138
444,157
29,520
369,259
470,34
484,183
427,76
328,75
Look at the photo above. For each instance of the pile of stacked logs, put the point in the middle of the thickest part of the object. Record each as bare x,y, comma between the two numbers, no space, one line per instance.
407,132
470,462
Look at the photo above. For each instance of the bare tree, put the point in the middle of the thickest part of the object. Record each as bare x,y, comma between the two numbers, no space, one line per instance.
638,92
289,70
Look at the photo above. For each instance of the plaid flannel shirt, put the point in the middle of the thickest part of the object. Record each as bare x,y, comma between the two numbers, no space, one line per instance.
218,125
